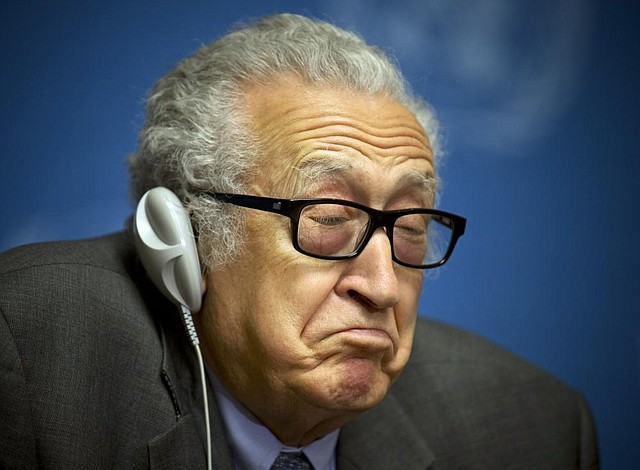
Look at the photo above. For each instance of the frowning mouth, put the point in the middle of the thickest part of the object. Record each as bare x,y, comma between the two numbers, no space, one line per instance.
372,339
367,332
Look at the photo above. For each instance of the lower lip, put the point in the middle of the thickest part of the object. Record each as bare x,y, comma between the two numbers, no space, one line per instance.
368,332
368,338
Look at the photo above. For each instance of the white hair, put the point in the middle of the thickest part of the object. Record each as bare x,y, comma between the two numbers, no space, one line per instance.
196,139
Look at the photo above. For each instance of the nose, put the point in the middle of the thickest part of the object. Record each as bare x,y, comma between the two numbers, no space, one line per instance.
371,277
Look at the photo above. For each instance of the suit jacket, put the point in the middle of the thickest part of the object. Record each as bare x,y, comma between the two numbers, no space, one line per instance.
96,372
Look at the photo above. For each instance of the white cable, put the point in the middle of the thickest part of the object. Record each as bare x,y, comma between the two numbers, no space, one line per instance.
193,336
206,406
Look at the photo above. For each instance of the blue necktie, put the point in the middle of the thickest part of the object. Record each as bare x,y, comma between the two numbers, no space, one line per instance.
292,461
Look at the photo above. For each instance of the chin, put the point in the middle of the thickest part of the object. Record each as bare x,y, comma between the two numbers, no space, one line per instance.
359,385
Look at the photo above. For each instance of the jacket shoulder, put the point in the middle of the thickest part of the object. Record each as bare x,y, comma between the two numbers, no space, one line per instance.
477,402
452,357
436,343
112,252
81,341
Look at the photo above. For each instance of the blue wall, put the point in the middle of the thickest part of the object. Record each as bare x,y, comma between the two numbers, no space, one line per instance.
539,102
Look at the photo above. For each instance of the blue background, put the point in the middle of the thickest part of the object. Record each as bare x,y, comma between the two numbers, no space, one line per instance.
539,102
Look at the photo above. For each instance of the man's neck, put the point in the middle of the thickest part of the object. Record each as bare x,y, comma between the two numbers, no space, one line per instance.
253,444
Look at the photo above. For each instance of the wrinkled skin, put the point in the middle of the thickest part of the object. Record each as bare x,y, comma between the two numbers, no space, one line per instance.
307,344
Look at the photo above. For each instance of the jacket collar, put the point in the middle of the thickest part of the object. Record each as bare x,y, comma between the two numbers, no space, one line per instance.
382,438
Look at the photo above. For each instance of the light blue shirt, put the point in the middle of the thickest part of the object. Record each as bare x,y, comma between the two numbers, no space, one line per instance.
254,447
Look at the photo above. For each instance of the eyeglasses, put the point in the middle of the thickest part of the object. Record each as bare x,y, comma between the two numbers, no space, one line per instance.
334,229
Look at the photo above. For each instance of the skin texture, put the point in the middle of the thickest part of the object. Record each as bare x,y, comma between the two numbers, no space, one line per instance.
307,344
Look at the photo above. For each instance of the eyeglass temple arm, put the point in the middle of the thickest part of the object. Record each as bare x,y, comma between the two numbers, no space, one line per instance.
261,203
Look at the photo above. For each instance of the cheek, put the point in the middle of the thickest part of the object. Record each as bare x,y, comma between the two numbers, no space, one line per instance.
273,300
288,302
290,286
406,317
406,321
408,307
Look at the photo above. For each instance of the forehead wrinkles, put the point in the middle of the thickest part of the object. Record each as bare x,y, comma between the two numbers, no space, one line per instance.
384,136
325,149
296,122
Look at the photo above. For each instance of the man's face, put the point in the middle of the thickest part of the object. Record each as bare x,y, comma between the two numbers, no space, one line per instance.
296,338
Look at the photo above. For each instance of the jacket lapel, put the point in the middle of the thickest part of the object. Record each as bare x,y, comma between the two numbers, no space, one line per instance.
184,446
382,438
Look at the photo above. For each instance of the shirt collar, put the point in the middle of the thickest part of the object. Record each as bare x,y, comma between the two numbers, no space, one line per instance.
254,447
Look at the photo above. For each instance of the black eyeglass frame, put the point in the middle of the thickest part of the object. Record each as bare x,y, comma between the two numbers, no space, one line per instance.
292,208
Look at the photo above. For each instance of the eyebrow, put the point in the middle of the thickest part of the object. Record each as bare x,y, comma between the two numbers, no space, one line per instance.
316,168
427,182
321,168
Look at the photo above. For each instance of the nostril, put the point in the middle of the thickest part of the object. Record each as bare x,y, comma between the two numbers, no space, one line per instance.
361,299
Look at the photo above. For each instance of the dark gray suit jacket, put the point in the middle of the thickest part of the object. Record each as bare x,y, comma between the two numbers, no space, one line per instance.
96,372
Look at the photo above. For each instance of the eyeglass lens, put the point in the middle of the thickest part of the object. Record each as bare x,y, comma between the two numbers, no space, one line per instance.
335,230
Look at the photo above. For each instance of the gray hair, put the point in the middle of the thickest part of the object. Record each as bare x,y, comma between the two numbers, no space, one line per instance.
196,139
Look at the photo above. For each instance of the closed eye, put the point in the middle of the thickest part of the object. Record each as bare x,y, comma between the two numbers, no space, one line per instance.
329,221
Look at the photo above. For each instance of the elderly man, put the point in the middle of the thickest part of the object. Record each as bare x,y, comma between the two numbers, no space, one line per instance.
308,173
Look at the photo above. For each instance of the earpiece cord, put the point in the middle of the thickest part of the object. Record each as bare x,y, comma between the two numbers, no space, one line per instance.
193,337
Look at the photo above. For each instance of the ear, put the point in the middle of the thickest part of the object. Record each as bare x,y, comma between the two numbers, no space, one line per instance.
167,248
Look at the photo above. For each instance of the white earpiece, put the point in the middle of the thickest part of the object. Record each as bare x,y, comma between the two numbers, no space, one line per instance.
166,246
